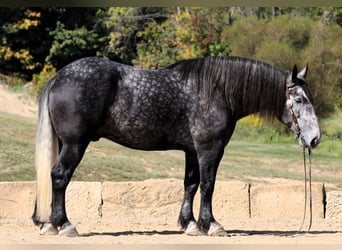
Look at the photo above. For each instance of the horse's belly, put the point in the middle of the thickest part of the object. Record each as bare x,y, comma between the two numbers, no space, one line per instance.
134,136
144,135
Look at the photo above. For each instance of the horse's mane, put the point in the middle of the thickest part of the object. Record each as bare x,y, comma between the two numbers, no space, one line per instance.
249,85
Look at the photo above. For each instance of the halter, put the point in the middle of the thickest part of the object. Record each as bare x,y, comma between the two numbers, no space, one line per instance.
289,106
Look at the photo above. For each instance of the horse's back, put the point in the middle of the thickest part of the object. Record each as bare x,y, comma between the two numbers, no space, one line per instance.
144,109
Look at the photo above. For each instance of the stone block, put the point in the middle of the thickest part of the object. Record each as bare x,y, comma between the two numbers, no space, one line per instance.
230,200
154,198
334,205
83,200
162,199
17,199
280,201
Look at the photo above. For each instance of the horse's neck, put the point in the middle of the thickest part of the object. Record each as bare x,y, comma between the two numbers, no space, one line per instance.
263,94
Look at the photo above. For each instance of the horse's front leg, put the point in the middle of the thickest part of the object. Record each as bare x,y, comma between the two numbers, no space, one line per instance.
69,158
191,182
209,156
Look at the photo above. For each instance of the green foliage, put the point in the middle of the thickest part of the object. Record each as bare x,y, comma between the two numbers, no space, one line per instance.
12,81
157,47
244,36
287,40
69,45
123,24
324,54
253,128
121,27
185,34
277,53
43,77
18,42
294,31
278,41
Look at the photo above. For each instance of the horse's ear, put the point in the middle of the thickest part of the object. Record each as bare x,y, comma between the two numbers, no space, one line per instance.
303,73
294,73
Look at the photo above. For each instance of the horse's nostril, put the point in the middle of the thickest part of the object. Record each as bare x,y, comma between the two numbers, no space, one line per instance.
314,142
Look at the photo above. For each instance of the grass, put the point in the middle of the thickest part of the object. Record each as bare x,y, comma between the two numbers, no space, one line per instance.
252,154
17,148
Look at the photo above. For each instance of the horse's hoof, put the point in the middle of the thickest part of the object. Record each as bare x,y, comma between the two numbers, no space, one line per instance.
216,229
68,230
48,229
192,229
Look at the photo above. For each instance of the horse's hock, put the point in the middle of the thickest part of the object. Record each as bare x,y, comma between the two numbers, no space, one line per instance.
160,200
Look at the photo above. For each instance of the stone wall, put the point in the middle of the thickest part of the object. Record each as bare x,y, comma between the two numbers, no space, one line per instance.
161,200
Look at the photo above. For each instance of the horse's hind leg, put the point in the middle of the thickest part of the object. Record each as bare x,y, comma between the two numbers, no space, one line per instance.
191,181
69,158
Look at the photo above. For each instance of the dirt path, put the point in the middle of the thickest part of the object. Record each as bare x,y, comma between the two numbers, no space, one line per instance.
150,231
15,103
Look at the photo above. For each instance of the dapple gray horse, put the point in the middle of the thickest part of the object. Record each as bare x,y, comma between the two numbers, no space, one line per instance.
192,106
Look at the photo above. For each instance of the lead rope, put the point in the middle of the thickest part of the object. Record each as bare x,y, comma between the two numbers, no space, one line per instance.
310,190
305,190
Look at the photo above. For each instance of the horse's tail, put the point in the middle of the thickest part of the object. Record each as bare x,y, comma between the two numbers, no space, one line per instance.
46,153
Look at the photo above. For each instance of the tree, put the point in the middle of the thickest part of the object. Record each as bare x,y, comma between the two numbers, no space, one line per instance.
244,36
287,40
122,24
29,36
324,54
187,33
20,33
75,34
69,45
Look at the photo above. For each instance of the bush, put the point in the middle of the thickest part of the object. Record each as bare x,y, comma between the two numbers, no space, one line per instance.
289,40
43,77
12,81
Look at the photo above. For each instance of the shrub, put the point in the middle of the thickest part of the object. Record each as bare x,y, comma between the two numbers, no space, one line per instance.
43,77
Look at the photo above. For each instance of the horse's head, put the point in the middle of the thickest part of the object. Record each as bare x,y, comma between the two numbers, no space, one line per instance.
299,114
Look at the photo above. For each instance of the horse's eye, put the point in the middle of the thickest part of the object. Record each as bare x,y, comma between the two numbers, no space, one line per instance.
298,99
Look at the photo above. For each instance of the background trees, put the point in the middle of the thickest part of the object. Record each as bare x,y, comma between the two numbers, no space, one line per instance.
35,42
